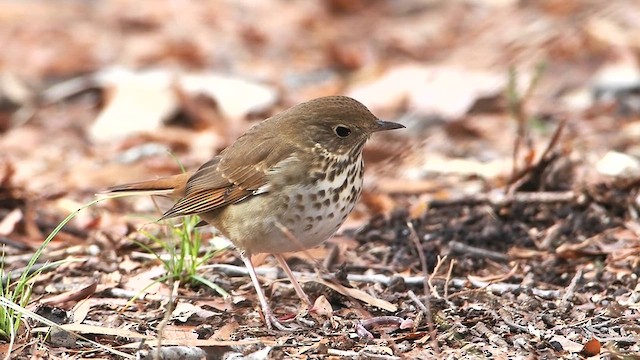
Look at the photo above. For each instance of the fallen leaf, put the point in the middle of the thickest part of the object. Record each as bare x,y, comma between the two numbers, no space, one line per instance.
322,307
184,311
98,330
617,164
591,348
217,303
81,310
74,295
567,345
359,295
179,332
226,331
236,97
444,90
136,102
9,222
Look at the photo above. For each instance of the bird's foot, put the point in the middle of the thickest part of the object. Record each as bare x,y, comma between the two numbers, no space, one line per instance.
273,322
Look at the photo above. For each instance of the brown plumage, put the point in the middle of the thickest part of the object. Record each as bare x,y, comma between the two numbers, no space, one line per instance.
287,184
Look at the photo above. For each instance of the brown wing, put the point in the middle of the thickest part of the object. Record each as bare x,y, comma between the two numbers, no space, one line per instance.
240,171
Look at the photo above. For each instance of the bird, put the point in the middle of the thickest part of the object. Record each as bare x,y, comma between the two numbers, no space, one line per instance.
287,184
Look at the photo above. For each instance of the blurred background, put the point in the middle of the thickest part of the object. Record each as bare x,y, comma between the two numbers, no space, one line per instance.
86,86
498,96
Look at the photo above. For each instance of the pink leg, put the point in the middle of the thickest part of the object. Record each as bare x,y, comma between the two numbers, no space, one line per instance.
269,318
294,282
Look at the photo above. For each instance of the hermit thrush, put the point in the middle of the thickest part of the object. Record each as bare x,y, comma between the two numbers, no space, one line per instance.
286,185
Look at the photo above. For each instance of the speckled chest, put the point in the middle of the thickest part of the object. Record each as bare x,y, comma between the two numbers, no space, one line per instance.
315,211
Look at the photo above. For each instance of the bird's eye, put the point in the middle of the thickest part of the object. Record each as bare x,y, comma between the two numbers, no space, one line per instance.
342,131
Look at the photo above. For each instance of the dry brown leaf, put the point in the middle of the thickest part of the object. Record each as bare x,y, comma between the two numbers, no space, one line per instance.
322,307
97,330
408,187
207,342
179,332
378,202
494,278
359,295
525,253
567,345
184,311
623,240
226,331
144,281
136,102
591,348
141,101
8,223
74,295
217,303
81,310
444,90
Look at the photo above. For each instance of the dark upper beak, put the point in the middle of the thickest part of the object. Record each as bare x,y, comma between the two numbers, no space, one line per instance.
387,125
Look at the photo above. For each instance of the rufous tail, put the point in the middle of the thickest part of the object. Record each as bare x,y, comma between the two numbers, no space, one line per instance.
173,186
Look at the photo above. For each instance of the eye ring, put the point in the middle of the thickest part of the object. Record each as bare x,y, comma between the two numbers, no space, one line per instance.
342,131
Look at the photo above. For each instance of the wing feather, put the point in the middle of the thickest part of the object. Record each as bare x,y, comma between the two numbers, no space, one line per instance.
240,171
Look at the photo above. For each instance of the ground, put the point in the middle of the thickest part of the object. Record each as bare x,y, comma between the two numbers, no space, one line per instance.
501,223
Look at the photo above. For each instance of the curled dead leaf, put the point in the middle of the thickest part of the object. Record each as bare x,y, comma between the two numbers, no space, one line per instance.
591,348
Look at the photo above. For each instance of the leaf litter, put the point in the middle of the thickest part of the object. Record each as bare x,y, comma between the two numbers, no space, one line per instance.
523,199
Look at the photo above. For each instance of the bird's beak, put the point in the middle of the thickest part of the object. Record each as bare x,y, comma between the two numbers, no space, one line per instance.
387,125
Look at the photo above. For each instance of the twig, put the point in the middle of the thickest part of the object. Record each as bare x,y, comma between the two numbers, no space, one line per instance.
551,234
502,199
387,321
350,354
14,244
496,288
446,283
505,316
128,294
502,288
484,331
555,138
423,262
331,257
53,255
568,295
434,290
413,235
173,353
537,169
516,105
157,355
476,252
15,274
417,301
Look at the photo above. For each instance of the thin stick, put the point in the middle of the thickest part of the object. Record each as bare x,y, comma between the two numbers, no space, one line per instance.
423,262
165,319
417,301
494,199
568,295
446,283
434,291
496,288
476,252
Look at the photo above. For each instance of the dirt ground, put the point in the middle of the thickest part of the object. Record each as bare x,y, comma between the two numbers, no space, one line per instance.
502,223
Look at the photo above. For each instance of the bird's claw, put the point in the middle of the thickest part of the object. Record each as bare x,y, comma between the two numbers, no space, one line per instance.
273,321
